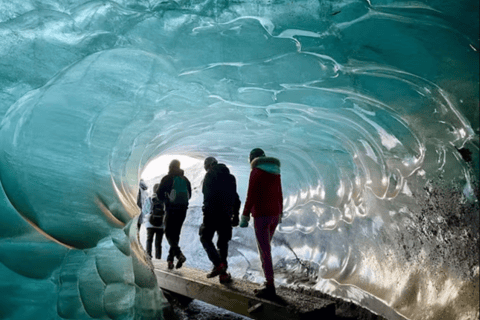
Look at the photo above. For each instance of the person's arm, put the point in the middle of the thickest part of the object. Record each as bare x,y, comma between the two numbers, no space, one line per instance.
251,198
146,208
208,186
281,196
163,187
139,198
140,220
251,193
189,187
236,204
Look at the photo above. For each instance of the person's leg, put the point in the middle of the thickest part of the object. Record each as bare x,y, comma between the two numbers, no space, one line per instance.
263,233
264,230
150,233
273,226
181,219
206,233
158,243
224,232
173,227
169,227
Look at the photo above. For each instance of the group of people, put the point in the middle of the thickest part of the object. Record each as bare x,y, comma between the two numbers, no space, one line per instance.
164,212
221,211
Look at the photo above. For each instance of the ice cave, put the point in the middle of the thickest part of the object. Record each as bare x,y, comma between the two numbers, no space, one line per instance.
370,105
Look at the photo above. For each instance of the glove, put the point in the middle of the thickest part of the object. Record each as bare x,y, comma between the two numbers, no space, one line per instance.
235,221
244,221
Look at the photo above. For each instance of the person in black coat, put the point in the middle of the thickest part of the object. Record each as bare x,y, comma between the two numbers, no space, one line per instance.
221,205
176,210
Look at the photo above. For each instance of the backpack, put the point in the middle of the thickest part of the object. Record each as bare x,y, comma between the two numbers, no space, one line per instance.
158,212
179,196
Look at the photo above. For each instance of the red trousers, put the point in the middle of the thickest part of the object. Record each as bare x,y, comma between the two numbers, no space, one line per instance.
264,230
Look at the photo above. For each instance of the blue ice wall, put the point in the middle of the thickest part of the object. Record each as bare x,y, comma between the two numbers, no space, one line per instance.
371,106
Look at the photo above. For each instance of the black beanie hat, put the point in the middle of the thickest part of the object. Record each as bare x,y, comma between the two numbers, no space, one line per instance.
255,153
210,161
174,164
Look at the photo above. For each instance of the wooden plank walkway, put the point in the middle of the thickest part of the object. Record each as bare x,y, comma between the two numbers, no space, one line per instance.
238,297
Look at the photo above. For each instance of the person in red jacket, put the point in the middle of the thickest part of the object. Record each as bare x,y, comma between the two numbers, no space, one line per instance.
265,203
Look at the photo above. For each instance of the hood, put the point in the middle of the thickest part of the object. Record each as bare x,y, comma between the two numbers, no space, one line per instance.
143,185
220,168
176,172
267,164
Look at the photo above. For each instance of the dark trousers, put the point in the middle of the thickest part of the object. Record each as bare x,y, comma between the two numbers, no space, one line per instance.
158,234
223,228
174,219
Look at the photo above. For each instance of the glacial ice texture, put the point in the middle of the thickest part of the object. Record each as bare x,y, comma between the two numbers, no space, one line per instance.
370,105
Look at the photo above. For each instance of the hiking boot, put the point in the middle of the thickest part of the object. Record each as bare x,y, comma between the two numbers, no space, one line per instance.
180,261
217,270
225,278
170,265
267,292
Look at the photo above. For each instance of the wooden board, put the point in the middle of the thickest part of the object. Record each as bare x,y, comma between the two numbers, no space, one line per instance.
238,296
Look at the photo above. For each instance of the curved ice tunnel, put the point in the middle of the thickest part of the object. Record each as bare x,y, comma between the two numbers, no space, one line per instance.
372,108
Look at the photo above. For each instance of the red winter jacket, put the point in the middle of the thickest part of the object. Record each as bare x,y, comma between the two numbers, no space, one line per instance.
264,197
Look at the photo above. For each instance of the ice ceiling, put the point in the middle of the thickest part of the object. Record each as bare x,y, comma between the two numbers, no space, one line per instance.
371,106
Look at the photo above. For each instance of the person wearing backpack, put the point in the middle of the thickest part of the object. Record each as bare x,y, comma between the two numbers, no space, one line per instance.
221,205
152,216
175,191
265,203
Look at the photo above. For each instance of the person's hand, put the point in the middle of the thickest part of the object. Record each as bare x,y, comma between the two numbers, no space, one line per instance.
244,221
235,221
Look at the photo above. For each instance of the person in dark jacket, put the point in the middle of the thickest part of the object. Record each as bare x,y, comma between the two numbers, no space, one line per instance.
265,203
221,205
175,212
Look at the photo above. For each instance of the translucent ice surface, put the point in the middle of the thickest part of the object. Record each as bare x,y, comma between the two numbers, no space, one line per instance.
370,105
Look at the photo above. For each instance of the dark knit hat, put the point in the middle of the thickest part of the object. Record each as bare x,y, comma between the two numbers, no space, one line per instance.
174,164
210,161
255,153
